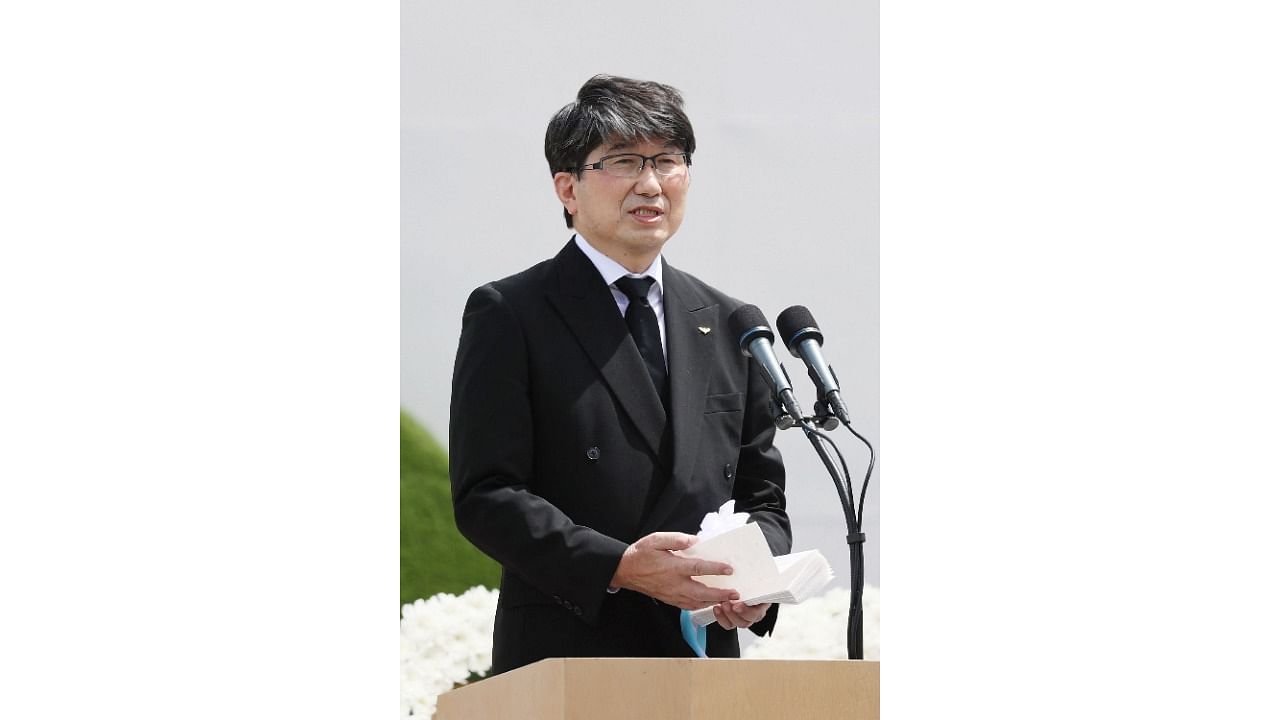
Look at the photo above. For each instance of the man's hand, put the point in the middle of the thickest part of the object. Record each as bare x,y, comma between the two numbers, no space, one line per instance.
732,615
650,566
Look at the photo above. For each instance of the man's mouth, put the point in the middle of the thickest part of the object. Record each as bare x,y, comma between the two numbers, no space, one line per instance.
646,212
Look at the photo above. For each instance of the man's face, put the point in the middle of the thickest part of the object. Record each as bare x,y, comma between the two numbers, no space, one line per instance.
628,219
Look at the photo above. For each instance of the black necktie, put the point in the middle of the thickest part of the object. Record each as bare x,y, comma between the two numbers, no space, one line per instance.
643,324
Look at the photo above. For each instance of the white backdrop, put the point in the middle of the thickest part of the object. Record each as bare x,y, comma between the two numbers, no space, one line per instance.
783,205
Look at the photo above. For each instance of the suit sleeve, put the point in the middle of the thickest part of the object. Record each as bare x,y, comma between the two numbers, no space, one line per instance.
761,479
491,465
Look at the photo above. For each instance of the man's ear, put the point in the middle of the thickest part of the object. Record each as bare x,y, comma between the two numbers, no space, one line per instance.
566,190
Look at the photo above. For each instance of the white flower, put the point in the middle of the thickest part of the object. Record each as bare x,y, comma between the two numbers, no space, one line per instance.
443,640
721,521
446,638
817,629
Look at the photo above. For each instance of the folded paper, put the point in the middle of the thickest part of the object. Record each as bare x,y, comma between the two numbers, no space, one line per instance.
758,576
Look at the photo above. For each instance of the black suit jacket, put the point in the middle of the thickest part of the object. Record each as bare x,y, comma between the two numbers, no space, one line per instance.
562,454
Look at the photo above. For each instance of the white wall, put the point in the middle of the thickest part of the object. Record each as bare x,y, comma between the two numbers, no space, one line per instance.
783,206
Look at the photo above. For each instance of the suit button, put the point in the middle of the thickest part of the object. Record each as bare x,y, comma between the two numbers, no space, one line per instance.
577,611
728,472
593,453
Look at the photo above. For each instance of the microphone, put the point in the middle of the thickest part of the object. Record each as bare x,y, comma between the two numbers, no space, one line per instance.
755,339
803,339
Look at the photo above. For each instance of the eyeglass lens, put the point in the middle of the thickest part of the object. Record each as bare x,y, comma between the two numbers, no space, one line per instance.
629,165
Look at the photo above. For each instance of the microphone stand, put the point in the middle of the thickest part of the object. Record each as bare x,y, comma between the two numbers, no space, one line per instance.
853,522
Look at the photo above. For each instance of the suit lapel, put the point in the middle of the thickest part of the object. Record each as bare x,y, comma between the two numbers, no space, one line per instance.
588,308
689,357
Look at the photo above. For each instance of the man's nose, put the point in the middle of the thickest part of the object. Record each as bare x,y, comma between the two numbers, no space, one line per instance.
649,183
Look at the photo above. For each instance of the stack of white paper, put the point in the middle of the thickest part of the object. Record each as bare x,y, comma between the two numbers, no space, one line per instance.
758,576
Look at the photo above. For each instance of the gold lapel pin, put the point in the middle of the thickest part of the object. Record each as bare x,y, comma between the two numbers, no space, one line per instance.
704,329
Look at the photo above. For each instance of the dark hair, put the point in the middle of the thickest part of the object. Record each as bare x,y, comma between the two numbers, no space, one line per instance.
615,109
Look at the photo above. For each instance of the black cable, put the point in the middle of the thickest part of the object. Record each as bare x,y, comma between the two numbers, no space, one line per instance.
862,498
856,559
846,496
846,487
854,627
854,538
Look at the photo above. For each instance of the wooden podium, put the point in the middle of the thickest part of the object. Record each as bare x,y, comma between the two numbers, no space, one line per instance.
671,689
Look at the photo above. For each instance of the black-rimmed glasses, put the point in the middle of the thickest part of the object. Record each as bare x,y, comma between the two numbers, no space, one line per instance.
631,165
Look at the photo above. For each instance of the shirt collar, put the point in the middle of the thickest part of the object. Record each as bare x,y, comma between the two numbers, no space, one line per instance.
609,268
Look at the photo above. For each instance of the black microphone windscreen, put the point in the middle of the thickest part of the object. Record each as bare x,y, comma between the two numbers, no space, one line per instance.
796,323
749,320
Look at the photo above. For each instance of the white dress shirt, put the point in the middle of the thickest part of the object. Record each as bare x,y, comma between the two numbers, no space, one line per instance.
610,270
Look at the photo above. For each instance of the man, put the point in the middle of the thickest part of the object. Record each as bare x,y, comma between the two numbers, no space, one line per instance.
601,407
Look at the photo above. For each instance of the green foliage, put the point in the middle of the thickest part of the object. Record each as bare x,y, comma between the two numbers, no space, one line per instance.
434,557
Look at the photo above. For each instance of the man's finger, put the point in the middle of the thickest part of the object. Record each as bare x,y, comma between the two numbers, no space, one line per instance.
693,595
709,567
741,616
723,621
709,595
667,541
728,620
751,613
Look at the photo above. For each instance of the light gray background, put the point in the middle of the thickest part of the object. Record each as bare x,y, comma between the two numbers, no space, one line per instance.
783,201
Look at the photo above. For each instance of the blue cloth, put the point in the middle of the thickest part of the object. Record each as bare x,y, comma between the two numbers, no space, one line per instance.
694,635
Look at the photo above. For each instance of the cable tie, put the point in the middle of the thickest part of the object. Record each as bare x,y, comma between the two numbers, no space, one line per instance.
856,537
